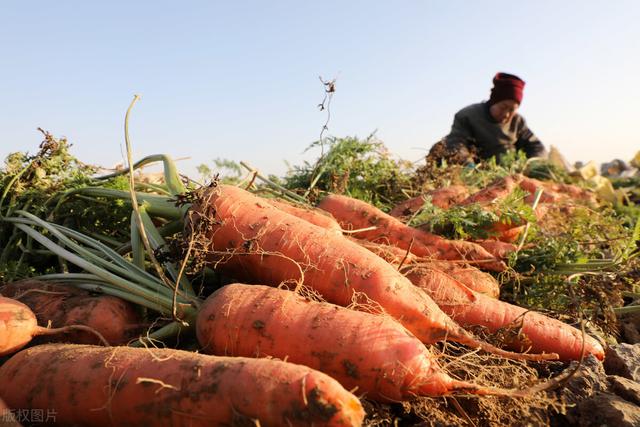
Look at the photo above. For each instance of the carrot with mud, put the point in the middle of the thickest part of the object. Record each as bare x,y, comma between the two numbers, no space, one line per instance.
18,326
356,214
372,353
537,332
123,386
392,254
255,242
59,305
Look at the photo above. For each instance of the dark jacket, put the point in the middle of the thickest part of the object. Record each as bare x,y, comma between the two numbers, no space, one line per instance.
473,125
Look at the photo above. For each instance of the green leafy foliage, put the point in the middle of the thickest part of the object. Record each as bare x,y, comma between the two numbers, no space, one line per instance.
474,221
33,183
363,169
575,263
589,235
32,178
229,171
544,170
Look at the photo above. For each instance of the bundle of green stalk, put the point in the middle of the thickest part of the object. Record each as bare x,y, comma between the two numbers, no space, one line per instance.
28,182
36,183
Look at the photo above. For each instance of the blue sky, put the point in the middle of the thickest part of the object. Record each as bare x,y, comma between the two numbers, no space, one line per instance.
239,80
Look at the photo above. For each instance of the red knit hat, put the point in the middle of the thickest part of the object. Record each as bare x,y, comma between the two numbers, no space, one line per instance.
506,86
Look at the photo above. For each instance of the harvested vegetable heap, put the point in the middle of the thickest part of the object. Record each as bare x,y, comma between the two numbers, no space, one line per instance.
354,291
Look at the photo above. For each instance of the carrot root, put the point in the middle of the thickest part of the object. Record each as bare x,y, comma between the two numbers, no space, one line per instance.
98,386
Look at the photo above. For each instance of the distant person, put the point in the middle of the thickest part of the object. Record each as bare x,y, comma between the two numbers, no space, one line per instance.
490,128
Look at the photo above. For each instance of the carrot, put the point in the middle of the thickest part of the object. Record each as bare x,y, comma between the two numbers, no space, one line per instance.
374,353
392,254
256,243
498,189
18,326
356,214
313,215
116,320
468,275
537,332
440,197
124,386
508,233
497,248
531,185
501,188
555,191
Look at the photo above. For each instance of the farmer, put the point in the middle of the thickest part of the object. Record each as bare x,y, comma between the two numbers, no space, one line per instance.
492,128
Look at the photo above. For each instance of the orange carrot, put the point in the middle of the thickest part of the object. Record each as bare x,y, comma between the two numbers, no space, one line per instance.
502,187
256,243
538,332
531,185
508,233
58,305
392,254
18,326
468,275
356,214
313,215
498,189
555,191
374,353
497,248
440,197
123,386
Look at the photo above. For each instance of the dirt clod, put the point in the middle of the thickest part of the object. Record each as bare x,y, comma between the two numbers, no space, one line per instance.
623,360
605,409
627,389
588,380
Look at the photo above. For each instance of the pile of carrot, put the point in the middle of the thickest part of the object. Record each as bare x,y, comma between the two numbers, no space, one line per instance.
270,356
255,242
372,354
